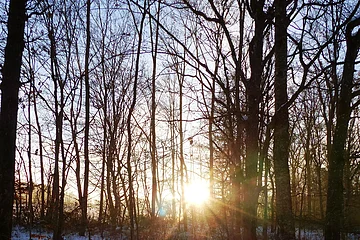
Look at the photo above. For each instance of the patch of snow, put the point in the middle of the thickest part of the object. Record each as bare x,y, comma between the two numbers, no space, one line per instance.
22,233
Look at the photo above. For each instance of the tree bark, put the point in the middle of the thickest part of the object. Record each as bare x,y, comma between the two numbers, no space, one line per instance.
253,95
284,214
30,183
41,155
9,106
153,151
84,198
182,160
132,206
335,198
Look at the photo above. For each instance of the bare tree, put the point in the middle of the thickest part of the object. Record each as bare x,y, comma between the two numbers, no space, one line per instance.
335,201
131,195
9,106
84,197
154,46
284,215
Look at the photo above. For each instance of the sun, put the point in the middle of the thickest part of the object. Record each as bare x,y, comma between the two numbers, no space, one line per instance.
197,192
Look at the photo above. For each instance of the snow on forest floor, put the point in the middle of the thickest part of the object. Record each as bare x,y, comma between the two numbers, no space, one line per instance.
315,234
21,233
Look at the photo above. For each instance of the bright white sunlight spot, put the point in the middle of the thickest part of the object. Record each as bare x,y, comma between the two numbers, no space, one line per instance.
197,192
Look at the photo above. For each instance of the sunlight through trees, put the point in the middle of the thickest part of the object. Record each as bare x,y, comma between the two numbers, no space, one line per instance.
180,119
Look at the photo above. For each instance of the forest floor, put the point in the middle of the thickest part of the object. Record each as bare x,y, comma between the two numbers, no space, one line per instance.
21,233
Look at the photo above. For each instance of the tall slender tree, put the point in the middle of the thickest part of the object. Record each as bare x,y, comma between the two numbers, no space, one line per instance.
253,95
154,49
9,107
281,127
84,198
132,209
335,198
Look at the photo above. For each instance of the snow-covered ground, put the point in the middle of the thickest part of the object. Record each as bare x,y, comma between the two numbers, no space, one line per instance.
21,233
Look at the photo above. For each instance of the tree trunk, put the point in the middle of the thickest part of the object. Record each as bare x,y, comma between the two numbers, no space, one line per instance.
41,155
284,214
211,143
30,183
104,153
335,198
9,107
55,198
253,95
84,199
308,177
172,146
153,151
182,160
132,206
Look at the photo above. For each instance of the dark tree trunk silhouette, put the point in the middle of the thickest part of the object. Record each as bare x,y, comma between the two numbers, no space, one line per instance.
84,198
281,128
253,95
335,198
153,151
131,195
9,107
